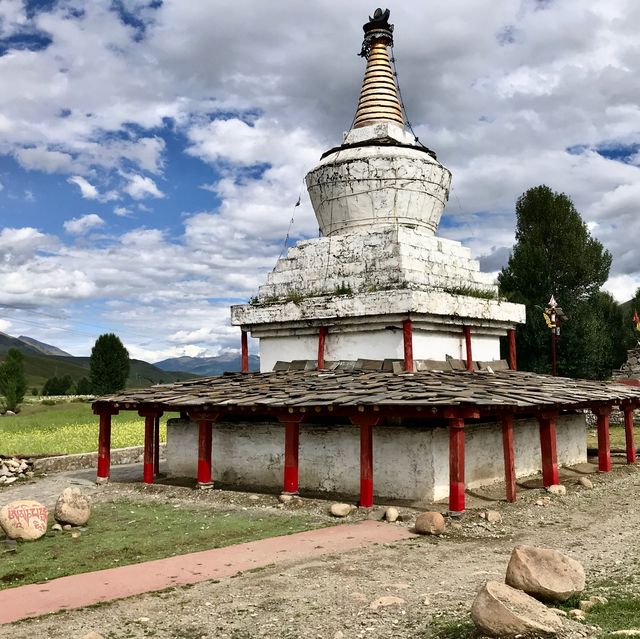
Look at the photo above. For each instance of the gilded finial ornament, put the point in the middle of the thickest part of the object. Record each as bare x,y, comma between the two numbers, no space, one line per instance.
379,100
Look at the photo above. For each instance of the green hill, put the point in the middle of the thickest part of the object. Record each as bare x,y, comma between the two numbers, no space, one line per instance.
38,367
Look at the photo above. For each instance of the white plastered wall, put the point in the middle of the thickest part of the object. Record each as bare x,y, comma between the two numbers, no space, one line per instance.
410,463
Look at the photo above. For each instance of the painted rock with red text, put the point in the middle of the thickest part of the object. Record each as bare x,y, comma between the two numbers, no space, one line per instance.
24,519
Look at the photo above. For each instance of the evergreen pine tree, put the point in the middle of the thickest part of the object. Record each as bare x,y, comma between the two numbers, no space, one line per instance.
108,365
13,383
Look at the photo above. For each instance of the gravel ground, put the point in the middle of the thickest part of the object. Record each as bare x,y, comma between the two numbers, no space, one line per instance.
433,579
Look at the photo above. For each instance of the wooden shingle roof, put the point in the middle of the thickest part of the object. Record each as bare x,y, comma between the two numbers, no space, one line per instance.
307,390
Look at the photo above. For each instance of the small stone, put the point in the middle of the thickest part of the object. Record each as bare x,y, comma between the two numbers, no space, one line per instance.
559,611
340,510
389,600
557,490
10,480
376,514
630,632
456,526
493,517
254,497
430,523
93,635
24,519
285,499
75,535
143,619
67,527
391,514
9,413
586,604
338,635
576,614
586,482
599,600
72,507
56,527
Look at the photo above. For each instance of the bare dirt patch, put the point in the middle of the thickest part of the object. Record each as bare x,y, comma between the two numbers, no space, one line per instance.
428,580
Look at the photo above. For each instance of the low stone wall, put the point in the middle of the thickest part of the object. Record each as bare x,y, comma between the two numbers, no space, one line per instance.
79,461
410,463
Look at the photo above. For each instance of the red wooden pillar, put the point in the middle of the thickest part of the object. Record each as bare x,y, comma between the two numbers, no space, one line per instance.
628,434
147,468
467,341
322,337
156,445
245,352
407,335
456,465
509,459
366,422
104,445
604,449
548,448
513,360
205,429
291,448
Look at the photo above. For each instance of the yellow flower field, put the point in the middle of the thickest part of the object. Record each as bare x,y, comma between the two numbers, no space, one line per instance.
65,428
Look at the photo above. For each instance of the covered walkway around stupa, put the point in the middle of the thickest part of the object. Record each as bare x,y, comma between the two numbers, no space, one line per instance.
368,399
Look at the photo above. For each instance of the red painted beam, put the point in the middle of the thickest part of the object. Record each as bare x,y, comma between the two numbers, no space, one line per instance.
407,335
156,445
104,448
291,450
456,465
366,422
147,470
513,360
245,352
322,338
509,458
548,449
205,429
467,341
628,434
604,447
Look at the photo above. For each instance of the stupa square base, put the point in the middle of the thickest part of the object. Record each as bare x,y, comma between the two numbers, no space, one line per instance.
410,462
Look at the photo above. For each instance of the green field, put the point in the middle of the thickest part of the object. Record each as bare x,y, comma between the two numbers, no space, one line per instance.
151,531
66,428
616,436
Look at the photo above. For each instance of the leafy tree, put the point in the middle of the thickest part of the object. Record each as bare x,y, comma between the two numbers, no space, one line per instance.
554,254
83,387
108,365
631,335
58,385
13,383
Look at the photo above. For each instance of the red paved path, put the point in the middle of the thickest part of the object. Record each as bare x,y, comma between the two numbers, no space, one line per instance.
89,588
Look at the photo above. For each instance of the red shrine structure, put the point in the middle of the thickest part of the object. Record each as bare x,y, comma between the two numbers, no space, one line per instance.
377,336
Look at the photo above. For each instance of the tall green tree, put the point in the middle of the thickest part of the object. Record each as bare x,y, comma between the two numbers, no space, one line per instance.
555,254
108,365
13,383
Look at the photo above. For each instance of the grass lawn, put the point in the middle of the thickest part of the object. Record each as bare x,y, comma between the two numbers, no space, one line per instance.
66,428
123,532
616,434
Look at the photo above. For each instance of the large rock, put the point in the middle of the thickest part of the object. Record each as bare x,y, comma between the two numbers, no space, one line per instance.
340,510
24,519
72,507
500,610
544,573
429,523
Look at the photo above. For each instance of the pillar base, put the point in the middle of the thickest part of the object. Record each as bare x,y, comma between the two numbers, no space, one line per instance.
204,485
102,480
455,514
284,492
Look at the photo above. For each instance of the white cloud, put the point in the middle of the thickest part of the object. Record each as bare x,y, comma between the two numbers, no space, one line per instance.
80,225
140,187
87,189
5,325
42,159
121,211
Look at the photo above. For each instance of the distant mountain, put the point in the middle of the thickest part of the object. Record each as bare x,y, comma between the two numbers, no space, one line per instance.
208,366
40,366
45,349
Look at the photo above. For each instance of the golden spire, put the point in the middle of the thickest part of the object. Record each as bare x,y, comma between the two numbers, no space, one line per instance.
379,100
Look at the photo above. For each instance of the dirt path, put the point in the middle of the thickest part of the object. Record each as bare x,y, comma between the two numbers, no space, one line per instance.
331,597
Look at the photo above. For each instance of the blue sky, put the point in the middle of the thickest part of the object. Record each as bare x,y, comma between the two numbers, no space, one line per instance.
151,153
